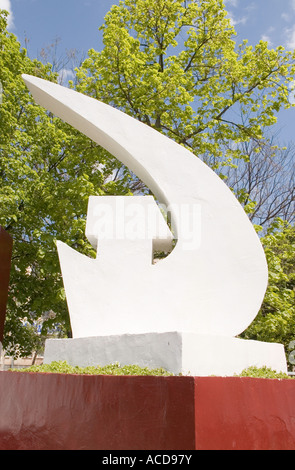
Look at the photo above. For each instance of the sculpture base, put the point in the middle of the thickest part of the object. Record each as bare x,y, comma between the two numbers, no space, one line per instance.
179,353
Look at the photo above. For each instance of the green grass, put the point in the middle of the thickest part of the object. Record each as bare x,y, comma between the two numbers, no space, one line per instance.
263,373
62,367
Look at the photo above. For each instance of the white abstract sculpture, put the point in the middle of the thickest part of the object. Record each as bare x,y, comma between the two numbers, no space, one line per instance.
214,280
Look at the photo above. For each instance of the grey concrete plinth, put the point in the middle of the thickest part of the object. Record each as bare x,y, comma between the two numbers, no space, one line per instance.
186,353
151,350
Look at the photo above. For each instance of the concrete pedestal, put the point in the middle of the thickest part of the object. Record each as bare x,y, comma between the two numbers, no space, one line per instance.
185,353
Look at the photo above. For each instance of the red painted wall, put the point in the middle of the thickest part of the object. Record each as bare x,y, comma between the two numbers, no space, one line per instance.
75,412
5,261
244,413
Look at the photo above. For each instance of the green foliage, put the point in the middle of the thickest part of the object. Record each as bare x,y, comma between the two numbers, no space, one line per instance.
175,65
276,319
62,367
47,172
263,373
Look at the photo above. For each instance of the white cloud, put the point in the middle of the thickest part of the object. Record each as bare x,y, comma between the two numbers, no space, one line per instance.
285,16
6,5
266,38
235,20
290,41
289,32
232,3
288,14
64,75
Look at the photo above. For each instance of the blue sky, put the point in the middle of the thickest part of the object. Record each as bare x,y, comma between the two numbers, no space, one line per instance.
270,20
76,22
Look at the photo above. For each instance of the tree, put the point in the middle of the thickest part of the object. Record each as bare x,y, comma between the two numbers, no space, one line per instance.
276,319
47,172
63,63
264,182
175,65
